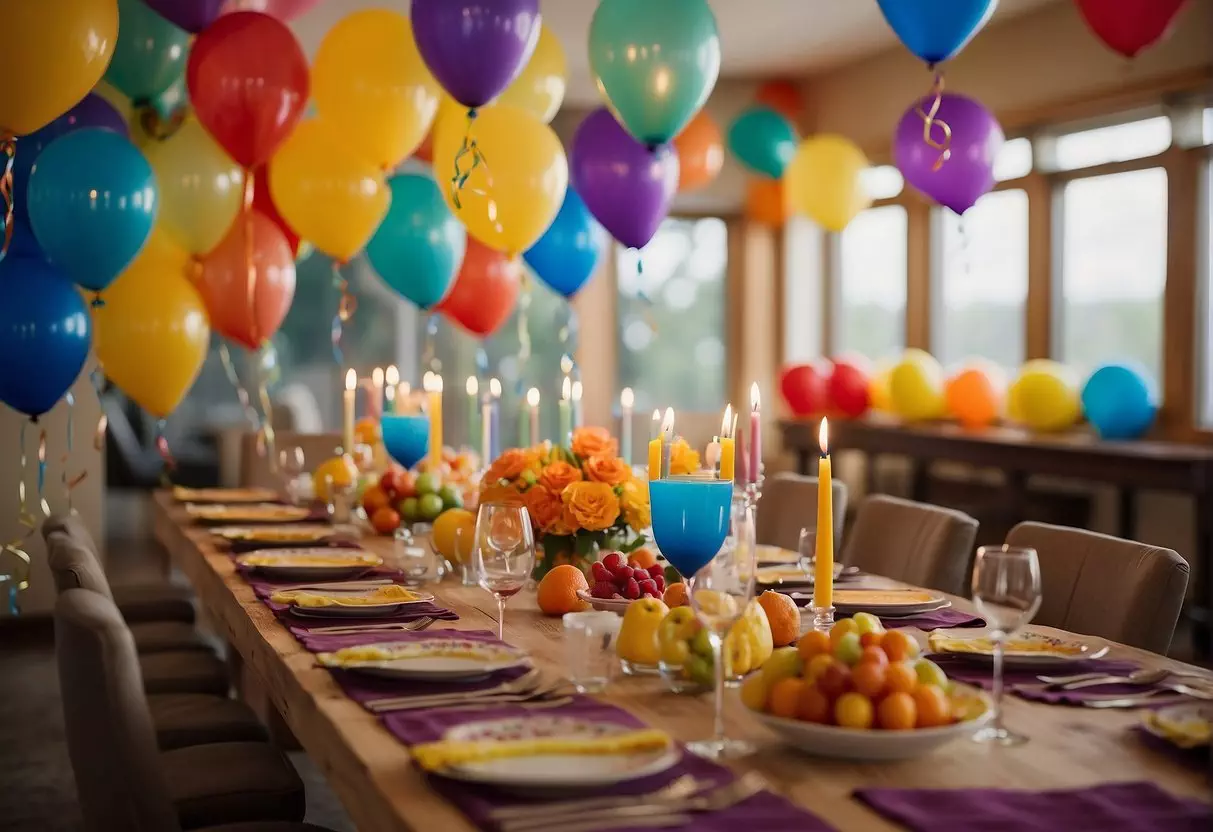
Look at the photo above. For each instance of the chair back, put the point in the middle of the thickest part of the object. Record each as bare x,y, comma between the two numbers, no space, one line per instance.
919,544
1105,586
73,526
789,503
73,563
110,738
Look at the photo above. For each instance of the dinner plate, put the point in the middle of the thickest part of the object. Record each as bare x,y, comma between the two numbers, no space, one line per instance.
436,660
246,513
888,602
767,554
224,495
790,576
546,772
310,564
291,535
1186,725
1027,650
358,610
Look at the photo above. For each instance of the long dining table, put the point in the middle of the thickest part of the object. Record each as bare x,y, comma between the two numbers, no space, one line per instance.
373,775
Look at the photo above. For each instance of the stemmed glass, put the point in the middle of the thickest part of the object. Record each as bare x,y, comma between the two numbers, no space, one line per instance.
505,553
290,467
406,438
806,548
1006,592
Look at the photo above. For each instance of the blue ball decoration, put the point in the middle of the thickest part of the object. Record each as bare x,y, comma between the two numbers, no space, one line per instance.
1120,400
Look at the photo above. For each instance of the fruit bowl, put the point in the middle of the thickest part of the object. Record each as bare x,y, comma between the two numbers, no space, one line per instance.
615,605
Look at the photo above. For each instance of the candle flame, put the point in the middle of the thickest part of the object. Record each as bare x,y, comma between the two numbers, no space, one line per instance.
627,398
427,380
473,386
437,384
566,363
726,424
532,397
405,389
667,424
577,391
755,398
351,379
495,388
823,436
431,383
566,389
377,376
656,415
392,375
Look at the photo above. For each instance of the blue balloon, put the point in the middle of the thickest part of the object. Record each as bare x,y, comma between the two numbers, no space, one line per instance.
935,30
44,334
566,256
1120,400
419,246
92,203
764,140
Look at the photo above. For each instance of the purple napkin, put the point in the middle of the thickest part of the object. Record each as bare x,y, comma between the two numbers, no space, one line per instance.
311,631
1024,683
1124,807
938,620
265,586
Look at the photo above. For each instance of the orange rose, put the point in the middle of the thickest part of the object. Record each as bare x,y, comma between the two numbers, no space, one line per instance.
683,458
593,505
544,507
588,442
558,476
634,500
511,464
609,469
566,524
498,493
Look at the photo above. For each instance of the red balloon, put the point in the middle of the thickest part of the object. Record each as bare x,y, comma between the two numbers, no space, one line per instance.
248,83
248,281
784,98
1129,26
848,389
485,290
263,203
804,389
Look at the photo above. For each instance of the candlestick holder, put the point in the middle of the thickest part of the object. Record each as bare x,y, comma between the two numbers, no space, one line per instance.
823,618
753,490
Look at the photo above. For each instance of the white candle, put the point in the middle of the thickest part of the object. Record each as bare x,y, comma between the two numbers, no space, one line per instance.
627,400
347,411
564,412
494,420
391,380
577,393
474,430
667,441
532,401
375,409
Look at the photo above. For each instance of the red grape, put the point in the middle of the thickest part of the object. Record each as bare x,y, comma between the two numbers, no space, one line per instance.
656,571
623,572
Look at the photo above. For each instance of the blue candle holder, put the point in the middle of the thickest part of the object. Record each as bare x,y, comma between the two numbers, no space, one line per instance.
690,520
406,438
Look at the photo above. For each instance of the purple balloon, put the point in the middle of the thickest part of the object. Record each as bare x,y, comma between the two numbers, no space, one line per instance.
190,15
627,187
475,48
969,172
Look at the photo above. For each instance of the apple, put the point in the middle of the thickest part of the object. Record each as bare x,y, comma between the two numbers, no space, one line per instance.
429,506
426,483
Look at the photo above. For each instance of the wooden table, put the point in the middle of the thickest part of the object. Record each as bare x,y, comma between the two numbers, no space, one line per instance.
372,774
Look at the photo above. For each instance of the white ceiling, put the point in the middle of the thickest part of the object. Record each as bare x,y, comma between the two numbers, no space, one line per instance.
759,38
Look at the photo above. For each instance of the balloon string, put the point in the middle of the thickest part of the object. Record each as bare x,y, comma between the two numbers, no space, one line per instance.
8,145
650,317
247,219
524,323
429,349
18,579
98,380
460,179
69,483
266,438
929,120
166,454
229,368
346,307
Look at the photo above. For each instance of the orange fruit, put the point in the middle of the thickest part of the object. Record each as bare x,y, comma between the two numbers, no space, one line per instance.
785,697
642,558
897,712
813,643
871,639
869,678
853,710
557,593
932,706
901,678
898,646
373,499
814,706
873,655
452,534
783,615
339,471
817,665
385,521
841,628
675,595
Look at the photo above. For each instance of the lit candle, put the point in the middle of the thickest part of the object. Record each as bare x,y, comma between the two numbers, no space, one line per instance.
494,450
728,446
431,383
659,451
655,425
743,461
347,412
823,578
627,399
474,431
578,420
564,410
532,402
391,379
755,434
375,406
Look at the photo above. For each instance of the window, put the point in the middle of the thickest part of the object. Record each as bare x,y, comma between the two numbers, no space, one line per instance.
981,263
869,278
1205,328
803,290
1207,125
1116,143
1013,160
672,316
882,181
1113,268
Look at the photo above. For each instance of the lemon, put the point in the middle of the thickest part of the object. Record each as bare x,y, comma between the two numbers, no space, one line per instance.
452,534
339,471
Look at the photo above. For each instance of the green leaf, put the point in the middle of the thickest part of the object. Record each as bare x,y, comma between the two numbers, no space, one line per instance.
634,544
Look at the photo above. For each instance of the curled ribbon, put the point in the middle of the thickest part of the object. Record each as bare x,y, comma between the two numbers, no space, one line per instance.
429,347
98,380
646,302
461,176
8,146
524,322
229,369
346,307
250,265
265,439
69,483
18,580
929,120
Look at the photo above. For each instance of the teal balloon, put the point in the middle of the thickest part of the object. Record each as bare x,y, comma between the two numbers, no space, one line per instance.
764,140
1120,400
92,201
150,54
656,61
419,246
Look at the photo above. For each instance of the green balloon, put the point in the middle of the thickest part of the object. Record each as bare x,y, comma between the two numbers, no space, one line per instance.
150,54
656,61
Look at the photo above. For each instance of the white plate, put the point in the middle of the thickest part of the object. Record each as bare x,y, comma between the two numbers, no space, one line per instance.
844,604
619,605
789,575
554,772
302,571
360,611
1088,648
302,534
1185,712
247,512
425,660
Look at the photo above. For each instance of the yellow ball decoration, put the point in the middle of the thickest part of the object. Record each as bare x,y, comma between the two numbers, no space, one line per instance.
822,182
1045,396
916,387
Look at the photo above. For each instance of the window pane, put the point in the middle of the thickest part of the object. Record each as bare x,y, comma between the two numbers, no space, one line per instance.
882,182
1014,160
1114,265
1206,324
802,289
671,316
870,283
1207,125
983,280
1133,140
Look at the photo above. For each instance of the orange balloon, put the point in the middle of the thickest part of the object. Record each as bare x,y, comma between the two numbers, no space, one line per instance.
485,290
766,202
426,151
974,397
700,149
248,281
784,98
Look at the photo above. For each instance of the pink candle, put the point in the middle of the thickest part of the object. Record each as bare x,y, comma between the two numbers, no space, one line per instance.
743,461
755,434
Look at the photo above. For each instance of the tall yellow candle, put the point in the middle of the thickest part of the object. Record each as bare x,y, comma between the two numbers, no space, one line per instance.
347,412
823,578
432,382
659,455
728,445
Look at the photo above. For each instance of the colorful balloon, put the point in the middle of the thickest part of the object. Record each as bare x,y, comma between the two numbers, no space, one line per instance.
284,10
783,97
369,77
935,30
823,181
879,393
92,204
1129,26
150,53
263,203
190,15
1045,396
975,396
248,82
54,53
476,48
626,186
1121,401
509,202
419,245
968,174
44,334
848,387
566,256
248,281
764,141
766,201
655,63
331,197
539,88
485,292
700,149
201,188
916,387
804,389
152,335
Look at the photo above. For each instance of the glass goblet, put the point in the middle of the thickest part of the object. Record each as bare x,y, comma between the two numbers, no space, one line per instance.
291,465
406,438
505,553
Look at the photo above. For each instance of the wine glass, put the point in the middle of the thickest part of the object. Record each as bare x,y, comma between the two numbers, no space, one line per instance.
1006,592
505,552
291,464
406,438
806,548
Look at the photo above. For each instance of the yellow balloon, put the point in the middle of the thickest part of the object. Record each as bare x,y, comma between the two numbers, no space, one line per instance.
822,182
201,188
1045,396
369,77
328,195
916,387
511,197
539,88
152,333
54,52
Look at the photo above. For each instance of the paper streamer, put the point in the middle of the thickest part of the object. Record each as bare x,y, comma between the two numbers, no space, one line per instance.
929,120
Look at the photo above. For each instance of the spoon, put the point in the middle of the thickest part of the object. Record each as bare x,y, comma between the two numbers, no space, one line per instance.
1137,677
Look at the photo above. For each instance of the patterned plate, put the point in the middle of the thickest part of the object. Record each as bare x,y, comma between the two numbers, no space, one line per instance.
438,660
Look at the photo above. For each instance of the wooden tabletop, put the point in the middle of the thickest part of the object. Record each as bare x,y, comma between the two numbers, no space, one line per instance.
372,774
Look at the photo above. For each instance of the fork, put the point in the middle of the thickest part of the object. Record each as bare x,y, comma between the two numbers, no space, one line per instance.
350,585
491,703
514,695
681,787
352,629
526,681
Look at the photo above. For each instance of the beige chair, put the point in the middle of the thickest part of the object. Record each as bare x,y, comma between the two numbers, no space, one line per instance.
122,780
1104,586
919,544
789,503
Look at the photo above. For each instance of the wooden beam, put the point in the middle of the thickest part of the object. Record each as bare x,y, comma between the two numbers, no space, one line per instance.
1038,317
1181,293
918,274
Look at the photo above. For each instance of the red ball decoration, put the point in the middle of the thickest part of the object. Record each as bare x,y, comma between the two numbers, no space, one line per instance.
848,388
1129,26
804,389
